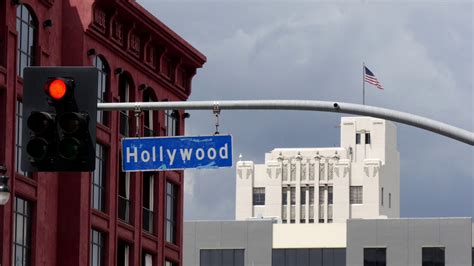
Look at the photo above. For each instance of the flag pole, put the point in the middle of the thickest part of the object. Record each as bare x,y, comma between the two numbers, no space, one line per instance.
363,83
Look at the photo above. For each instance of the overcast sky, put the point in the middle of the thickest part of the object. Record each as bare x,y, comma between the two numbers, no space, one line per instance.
421,52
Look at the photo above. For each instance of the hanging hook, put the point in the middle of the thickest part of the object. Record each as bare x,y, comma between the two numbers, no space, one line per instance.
138,111
216,111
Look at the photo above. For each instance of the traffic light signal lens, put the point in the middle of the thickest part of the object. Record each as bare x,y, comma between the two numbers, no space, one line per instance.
39,122
72,122
69,148
37,148
57,89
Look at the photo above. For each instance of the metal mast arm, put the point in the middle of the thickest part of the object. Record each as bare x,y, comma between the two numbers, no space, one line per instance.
301,105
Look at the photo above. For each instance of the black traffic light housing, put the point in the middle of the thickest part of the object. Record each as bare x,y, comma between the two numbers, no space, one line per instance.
59,119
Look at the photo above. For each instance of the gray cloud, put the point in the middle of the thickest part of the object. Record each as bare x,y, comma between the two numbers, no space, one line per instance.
421,52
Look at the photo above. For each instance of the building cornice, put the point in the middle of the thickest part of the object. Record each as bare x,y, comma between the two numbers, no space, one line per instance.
91,32
159,28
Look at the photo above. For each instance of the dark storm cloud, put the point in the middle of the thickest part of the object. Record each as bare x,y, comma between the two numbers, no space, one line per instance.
421,52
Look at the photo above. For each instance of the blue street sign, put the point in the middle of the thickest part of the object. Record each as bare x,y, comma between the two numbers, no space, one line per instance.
171,153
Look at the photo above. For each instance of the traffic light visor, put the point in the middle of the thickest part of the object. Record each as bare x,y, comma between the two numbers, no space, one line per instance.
72,122
69,148
37,148
56,89
40,122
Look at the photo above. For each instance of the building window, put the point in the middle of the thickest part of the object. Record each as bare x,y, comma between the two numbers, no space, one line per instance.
18,138
330,194
98,179
124,202
259,196
390,200
22,211
321,195
148,196
26,38
381,197
171,206
433,256
169,263
330,220
303,195
311,195
123,254
356,195
284,195
149,119
147,259
367,138
321,204
218,257
309,256
293,195
357,138
375,256
97,248
171,122
124,95
103,85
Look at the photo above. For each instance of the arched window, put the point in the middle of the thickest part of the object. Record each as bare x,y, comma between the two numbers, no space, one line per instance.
150,115
125,88
26,27
103,86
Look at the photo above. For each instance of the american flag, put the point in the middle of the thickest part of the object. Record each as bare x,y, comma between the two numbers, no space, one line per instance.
369,77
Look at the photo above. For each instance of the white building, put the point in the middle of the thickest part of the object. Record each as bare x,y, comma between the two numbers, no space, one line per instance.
359,179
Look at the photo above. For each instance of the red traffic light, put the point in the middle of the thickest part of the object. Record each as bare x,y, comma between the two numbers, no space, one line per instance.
56,88
58,130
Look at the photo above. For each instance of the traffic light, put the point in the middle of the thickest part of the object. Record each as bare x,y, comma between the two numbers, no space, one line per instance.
59,119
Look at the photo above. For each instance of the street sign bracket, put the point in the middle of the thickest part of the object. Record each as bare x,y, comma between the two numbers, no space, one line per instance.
216,111
138,112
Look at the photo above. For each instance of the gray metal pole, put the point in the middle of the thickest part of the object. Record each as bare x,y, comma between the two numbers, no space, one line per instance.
336,107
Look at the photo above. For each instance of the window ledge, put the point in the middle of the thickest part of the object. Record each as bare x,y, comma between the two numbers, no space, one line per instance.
125,225
148,235
25,179
104,127
171,246
19,79
100,213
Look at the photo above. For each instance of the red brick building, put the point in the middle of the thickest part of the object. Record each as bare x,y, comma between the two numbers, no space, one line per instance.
106,217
